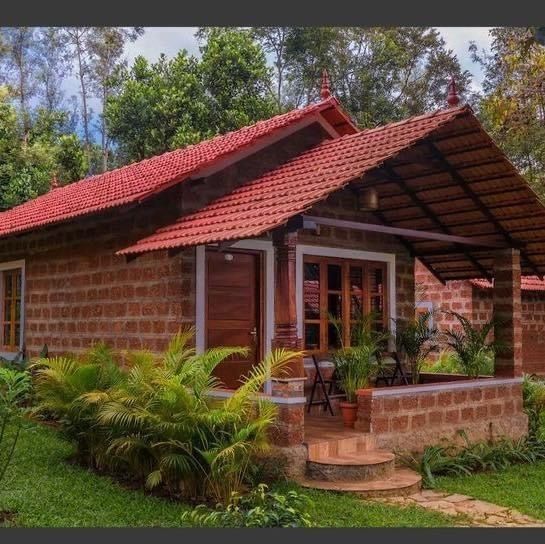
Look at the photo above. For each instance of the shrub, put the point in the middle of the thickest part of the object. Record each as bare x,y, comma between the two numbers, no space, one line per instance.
472,457
14,388
61,386
156,419
447,363
259,508
416,340
471,345
533,393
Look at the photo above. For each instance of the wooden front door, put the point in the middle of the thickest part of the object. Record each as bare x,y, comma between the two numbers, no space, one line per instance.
233,309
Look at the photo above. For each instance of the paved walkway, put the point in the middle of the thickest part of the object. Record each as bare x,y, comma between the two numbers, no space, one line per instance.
476,512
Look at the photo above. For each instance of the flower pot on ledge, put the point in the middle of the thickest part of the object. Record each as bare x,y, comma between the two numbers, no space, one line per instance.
349,411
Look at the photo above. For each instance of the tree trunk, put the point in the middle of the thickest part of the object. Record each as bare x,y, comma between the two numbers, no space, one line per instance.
85,112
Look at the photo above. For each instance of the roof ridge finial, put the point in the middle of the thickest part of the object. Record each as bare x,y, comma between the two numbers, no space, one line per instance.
325,90
54,181
452,95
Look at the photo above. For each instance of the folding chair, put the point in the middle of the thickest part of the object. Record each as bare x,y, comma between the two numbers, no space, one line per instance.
327,386
389,373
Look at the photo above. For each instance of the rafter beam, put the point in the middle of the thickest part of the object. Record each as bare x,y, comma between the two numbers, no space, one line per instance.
477,201
482,242
430,213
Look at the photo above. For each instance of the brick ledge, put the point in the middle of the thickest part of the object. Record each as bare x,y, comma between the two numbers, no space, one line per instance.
433,387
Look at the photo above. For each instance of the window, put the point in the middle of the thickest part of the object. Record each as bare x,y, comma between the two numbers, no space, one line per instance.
11,291
340,290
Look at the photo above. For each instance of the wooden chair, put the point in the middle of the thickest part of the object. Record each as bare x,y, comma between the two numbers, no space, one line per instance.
389,373
327,386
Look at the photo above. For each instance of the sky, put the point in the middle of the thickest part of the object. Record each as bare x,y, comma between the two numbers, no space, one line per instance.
170,40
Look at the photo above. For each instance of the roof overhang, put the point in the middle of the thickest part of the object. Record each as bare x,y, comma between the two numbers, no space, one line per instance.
439,174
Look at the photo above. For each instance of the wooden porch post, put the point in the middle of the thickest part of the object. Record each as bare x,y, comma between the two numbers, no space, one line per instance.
507,310
287,389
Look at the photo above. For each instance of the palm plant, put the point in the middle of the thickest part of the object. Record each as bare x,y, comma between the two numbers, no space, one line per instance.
416,340
472,347
14,388
168,428
358,363
159,420
60,386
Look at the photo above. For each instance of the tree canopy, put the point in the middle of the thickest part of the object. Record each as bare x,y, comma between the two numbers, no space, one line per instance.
239,76
513,103
172,103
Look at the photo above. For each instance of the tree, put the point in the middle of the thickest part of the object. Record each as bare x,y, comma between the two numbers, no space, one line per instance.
28,166
274,41
237,79
77,40
159,106
19,44
72,163
379,74
513,104
106,46
173,103
53,64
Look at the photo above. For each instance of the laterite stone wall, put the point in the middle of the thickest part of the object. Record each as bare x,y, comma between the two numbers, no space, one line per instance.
476,304
78,292
413,417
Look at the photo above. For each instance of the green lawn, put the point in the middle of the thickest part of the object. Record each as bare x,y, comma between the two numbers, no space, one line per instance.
47,491
520,486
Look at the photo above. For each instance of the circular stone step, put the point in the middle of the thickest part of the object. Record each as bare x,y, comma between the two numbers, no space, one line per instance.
360,466
403,482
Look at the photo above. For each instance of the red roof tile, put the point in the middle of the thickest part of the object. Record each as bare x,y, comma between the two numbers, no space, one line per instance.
138,181
527,283
270,200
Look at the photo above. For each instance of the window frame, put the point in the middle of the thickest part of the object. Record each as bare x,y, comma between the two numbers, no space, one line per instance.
367,265
6,266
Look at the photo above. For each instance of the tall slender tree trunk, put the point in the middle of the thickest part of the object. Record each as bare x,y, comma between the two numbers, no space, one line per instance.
104,136
83,87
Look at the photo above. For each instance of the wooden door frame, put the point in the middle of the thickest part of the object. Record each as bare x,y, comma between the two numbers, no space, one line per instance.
259,295
267,249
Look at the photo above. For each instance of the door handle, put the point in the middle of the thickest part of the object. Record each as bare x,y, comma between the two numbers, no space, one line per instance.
253,334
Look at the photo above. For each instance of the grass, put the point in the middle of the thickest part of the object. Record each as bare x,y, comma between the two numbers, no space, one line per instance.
43,489
345,510
521,487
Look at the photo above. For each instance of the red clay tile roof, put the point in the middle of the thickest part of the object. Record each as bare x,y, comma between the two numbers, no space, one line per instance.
138,181
527,283
270,200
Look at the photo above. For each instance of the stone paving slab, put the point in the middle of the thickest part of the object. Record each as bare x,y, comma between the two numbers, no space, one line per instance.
477,512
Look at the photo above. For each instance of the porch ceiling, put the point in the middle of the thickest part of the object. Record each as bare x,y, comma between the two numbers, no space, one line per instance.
458,182
439,173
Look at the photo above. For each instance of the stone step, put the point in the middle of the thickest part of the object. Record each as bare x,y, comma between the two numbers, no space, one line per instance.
402,482
346,467
339,446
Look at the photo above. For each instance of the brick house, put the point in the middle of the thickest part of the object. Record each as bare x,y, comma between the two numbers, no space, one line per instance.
257,236
473,299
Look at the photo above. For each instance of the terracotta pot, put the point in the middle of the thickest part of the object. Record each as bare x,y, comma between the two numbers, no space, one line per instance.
349,412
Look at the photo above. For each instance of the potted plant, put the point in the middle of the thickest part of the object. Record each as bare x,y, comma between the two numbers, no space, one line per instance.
357,364
415,340
473,349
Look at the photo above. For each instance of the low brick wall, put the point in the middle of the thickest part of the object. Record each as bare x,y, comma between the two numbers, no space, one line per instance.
412,417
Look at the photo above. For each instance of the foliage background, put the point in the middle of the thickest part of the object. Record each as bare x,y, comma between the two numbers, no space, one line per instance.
238,76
